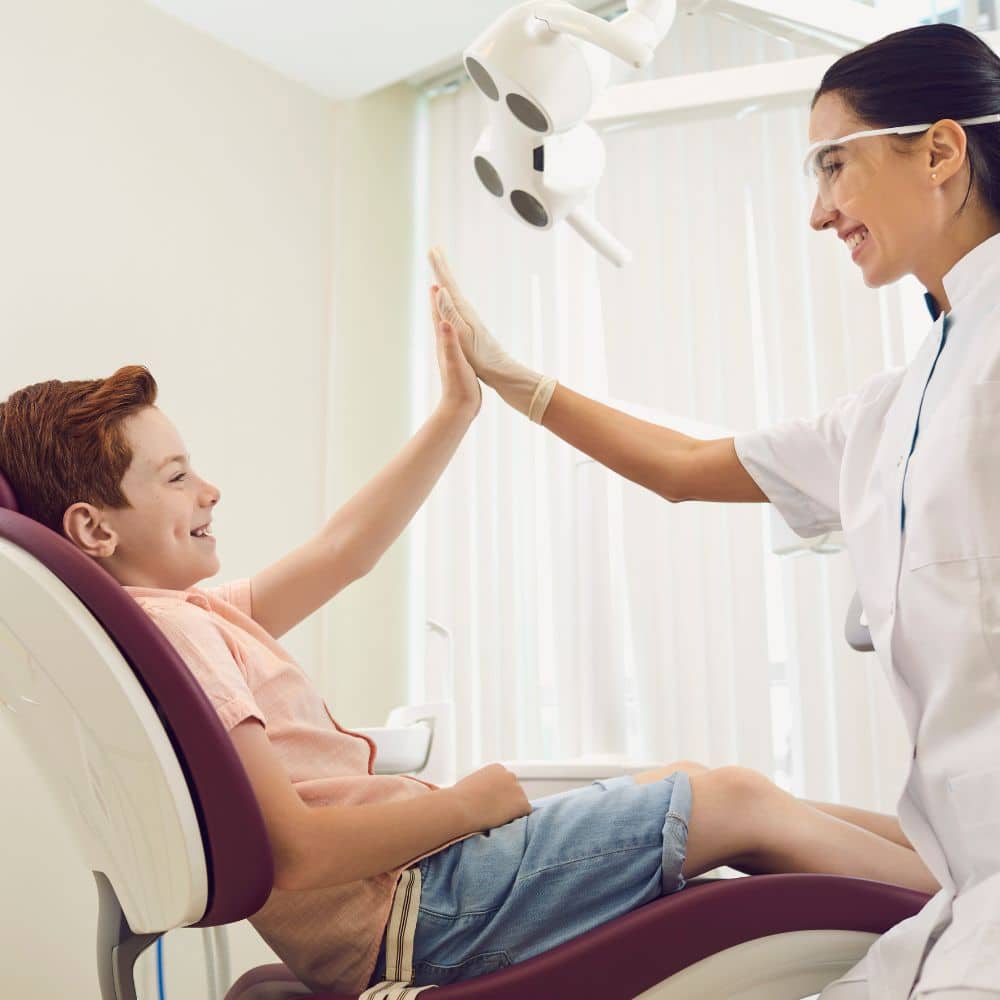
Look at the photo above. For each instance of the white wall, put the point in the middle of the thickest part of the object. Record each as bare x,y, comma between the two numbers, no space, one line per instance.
370,392
169,202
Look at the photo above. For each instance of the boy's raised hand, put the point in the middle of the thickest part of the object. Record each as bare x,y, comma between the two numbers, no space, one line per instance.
459,385
490,797
517,385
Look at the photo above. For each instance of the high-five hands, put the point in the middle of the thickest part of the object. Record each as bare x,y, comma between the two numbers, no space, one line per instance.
459,385
522,388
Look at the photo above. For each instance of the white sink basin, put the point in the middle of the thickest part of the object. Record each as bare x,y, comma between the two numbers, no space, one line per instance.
401,749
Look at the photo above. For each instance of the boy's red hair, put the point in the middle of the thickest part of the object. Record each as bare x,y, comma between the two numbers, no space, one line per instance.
62,442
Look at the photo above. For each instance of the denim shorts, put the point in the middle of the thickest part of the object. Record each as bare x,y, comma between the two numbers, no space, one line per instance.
578,860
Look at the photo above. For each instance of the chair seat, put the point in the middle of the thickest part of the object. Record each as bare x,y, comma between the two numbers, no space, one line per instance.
621,959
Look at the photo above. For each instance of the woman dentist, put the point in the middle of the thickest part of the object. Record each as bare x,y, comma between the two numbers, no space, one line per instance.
906,156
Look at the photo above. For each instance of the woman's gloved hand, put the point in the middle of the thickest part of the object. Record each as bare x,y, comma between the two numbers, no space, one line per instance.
525,390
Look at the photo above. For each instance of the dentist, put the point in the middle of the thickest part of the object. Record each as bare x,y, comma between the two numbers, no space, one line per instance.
906,157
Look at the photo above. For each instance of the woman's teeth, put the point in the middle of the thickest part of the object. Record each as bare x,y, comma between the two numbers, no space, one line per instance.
856,238
202,532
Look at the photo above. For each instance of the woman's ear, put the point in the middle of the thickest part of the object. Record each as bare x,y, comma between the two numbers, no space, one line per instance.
947,146
84,527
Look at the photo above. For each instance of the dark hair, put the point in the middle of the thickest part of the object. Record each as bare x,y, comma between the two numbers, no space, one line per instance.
925,74
62,442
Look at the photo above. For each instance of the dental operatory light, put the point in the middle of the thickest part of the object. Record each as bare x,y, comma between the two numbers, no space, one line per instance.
540,66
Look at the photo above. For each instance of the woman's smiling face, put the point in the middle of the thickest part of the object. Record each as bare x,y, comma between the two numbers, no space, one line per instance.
873,188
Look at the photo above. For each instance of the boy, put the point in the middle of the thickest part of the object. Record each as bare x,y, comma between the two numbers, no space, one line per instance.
488,879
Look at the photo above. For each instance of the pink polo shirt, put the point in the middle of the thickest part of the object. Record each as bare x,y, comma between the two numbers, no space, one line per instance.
328,937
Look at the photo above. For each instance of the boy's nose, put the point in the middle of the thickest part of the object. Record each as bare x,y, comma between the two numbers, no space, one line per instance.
211,495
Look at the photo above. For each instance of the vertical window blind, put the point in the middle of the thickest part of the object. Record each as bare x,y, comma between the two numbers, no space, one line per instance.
588,616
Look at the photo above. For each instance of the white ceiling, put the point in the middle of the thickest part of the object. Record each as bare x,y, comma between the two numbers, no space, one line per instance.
345,48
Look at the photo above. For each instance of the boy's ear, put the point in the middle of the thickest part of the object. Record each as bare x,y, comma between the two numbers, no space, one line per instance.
84,527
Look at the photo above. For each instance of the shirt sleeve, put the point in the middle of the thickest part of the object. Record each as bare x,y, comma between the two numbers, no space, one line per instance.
208,656
797,463
237,593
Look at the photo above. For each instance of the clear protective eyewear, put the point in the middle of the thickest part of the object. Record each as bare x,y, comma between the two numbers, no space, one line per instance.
812,163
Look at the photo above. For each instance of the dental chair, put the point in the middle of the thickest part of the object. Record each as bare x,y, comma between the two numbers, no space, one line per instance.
162,810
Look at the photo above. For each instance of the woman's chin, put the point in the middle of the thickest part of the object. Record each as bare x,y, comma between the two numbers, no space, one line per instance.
873,277
876,274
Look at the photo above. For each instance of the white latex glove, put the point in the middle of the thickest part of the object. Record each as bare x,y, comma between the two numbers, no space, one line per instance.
525,390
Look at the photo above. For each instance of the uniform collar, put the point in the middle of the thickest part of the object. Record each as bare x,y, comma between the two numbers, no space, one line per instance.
974,274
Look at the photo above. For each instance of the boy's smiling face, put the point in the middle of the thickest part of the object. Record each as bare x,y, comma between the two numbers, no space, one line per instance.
153,542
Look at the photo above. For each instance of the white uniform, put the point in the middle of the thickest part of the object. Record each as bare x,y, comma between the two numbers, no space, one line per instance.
929,582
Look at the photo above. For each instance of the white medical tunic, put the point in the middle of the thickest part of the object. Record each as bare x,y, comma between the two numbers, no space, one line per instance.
909,469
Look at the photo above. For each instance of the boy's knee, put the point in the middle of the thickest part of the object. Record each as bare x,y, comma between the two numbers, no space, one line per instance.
743,783
690,766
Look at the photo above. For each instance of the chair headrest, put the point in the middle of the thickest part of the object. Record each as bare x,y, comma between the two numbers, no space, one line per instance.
7,498
237,852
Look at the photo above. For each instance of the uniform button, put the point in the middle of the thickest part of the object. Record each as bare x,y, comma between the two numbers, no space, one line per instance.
892,608
899,461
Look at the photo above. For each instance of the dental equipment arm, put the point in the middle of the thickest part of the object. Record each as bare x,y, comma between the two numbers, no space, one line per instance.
354,539
585,225
318,846
550,61
590,28
671,464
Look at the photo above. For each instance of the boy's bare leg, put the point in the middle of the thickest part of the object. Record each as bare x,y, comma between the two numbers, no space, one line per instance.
742,819
878,823
883,825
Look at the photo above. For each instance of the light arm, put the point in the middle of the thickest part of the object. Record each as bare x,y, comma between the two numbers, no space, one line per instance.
597,31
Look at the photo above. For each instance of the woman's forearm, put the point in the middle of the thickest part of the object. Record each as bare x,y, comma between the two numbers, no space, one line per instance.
671,464
642,452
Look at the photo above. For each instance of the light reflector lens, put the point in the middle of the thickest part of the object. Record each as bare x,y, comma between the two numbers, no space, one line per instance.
529,208
488,175
482,79
527,113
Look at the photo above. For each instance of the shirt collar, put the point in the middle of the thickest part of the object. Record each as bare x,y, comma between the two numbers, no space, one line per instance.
976,272
193,595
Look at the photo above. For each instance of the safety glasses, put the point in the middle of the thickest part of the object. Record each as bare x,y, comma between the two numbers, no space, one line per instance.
814,166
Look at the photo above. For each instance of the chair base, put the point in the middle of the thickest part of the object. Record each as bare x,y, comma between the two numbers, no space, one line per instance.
118,948
764,937
781,967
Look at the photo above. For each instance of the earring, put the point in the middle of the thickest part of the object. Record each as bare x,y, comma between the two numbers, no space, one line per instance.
933,177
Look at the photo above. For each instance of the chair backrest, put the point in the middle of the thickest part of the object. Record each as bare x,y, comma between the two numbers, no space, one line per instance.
148,778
